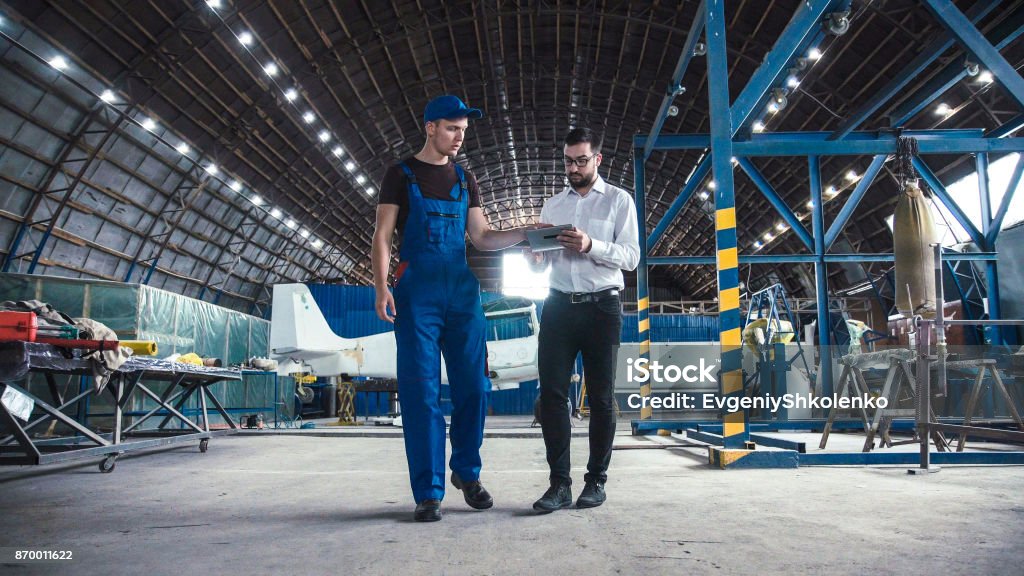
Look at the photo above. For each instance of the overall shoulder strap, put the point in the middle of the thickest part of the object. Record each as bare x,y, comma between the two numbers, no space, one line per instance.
463,187
414,187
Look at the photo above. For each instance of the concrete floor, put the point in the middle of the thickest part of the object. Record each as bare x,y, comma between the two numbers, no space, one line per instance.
281,504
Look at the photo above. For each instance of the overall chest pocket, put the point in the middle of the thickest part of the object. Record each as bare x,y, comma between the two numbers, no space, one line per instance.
441,226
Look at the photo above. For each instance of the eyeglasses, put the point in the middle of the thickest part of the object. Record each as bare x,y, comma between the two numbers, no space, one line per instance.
580,162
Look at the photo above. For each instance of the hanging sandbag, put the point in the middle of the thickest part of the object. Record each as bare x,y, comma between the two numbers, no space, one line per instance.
913,231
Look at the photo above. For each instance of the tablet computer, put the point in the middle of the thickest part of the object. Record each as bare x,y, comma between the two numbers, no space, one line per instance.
544,239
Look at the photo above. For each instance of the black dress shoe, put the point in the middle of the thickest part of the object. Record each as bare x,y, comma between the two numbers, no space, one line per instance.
592,496
474,492
557,497
428,511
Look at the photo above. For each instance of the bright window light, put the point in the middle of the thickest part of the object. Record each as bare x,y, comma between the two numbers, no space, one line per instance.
148,124
59,62
245,38
985,77
324,136
291,94
270,69
965,193
338,151
108,96
814,54
361,179
182,148
212,169
235,185
276,213
350,165
519,280
308,117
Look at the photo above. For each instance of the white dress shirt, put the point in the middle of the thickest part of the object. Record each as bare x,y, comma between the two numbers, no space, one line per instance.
608,215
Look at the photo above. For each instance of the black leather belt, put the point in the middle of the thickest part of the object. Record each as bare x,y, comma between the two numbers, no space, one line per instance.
586,297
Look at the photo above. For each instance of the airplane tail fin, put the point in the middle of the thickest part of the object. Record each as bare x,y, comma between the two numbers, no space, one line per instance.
297,322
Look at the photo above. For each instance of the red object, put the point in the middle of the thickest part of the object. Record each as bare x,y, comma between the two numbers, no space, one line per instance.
18,326
81,344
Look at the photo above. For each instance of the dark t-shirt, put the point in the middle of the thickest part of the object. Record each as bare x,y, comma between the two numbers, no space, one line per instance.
435,181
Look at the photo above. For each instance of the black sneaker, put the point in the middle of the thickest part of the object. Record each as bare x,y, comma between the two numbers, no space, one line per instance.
428,511
592,496
557,497
474,492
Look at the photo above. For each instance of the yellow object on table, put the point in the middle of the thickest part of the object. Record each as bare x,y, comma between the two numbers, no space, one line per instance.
190,358
141,347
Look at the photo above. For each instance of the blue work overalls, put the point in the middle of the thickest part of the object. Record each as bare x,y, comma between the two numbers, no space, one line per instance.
437,301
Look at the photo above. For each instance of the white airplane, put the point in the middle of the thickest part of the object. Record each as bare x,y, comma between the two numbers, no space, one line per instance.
302,341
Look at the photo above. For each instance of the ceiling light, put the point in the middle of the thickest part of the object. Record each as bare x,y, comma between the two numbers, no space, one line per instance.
703,195
813,54
773,107
350,165
257,200
985,77
235,185
851,175
148,124
291,94
58,62
780,227
212,169
734,161
213,3
324,136
768,236
291,223
304,233
757,244
792,81
830,191
712,185
337,151
308,117
810,203
270,69
317,243
183,148
942,109
108,96
276,213
758,126
245,38
371,190
361,179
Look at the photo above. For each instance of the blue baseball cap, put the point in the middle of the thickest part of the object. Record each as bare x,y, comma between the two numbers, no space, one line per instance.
449,107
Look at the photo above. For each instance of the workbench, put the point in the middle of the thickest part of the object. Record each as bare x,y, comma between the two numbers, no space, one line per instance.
20,360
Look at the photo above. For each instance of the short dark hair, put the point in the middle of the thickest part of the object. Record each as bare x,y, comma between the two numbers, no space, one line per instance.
583,135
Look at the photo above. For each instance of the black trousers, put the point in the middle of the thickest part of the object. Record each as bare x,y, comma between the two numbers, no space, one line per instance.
593,329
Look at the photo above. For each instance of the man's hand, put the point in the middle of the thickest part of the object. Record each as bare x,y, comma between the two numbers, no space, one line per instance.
532,257
386,305
575,240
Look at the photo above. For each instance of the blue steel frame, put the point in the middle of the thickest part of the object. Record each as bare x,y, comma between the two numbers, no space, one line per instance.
730,137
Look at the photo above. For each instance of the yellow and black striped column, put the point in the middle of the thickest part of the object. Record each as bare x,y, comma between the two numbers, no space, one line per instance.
643,301
734,429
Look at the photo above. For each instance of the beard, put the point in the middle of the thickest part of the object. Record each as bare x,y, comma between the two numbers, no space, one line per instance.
582,180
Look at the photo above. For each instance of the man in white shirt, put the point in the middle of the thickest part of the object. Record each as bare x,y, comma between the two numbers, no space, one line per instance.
583,314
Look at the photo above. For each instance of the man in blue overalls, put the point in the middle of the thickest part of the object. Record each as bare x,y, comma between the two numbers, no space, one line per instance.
434,202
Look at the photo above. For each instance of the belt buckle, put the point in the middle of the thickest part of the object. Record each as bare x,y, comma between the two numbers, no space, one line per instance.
577,298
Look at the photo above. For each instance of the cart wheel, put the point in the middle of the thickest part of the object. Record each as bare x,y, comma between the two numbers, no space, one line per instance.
108,463
204,445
